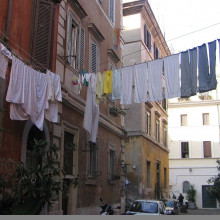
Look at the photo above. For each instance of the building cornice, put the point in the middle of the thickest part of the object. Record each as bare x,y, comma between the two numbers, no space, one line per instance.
95,31
193,103
78,8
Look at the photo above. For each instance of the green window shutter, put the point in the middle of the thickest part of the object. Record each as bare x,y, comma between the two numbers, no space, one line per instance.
69,37
82,50
42,40
94,57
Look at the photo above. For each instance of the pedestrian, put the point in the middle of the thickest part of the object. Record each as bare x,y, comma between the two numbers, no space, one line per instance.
181,197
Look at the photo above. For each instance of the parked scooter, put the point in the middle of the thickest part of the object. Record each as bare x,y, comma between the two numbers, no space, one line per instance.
107,209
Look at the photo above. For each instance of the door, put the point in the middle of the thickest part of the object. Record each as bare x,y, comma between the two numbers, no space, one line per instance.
208,200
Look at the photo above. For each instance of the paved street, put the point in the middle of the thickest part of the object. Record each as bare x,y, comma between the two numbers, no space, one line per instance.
202,212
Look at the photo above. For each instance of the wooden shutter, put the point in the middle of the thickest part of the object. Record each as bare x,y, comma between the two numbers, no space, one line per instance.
94,57
82,50
145,34
42,34
207,148
69,37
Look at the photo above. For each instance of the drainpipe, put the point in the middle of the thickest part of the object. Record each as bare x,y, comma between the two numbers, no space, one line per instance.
8,19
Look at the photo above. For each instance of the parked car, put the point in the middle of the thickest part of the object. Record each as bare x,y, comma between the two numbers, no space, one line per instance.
146,207
172,207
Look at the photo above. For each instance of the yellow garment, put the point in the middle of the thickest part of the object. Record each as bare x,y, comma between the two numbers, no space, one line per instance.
100,85
108,82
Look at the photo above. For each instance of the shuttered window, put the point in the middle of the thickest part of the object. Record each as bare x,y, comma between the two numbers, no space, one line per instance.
183,119
158,130
207,149
148,174
93,160
205,117
68,153
185,149
147,37
72,41
156,52
112,11
94,57
112,164
148,122
82,50
42,38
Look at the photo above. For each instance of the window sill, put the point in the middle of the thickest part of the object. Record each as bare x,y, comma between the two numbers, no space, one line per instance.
91,181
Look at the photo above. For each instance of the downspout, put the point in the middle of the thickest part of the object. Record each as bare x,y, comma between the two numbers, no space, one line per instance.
8,20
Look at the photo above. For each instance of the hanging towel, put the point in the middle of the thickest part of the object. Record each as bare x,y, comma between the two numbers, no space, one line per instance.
155,69
116,84
141,86
91,115
193,70
172,79
108,82
219,48
27,92
17,82
189,73
126,85
100,84
54,95
5,55
207,79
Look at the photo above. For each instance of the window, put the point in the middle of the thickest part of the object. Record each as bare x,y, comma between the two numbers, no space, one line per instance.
72,41
186,186
165,135
111,162
34,158
147,37
148,122
93,160
112,10
165,177
207,149
156,52
94,57
68,152
148,175
205,118
185,149
183,120
42,34
158,130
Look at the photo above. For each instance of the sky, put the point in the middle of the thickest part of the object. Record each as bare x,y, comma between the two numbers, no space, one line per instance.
180,17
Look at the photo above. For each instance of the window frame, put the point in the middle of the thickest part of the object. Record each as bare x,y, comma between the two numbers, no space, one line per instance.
157,129
148,122
93,42
74,130
205,119
182,121
72,53
210,149
184,152
148,182
94,175
112,11
111,168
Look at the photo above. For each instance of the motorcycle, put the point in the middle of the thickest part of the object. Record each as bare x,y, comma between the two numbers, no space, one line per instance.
107,209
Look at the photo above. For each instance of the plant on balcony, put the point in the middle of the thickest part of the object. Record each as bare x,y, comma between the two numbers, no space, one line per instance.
115,111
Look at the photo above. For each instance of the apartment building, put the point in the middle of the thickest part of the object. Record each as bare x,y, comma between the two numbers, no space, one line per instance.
68,37
146,149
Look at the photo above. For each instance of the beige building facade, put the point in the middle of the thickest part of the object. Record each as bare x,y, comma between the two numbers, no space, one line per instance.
146,151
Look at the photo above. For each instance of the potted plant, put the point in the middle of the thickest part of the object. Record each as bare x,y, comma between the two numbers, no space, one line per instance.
191,197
